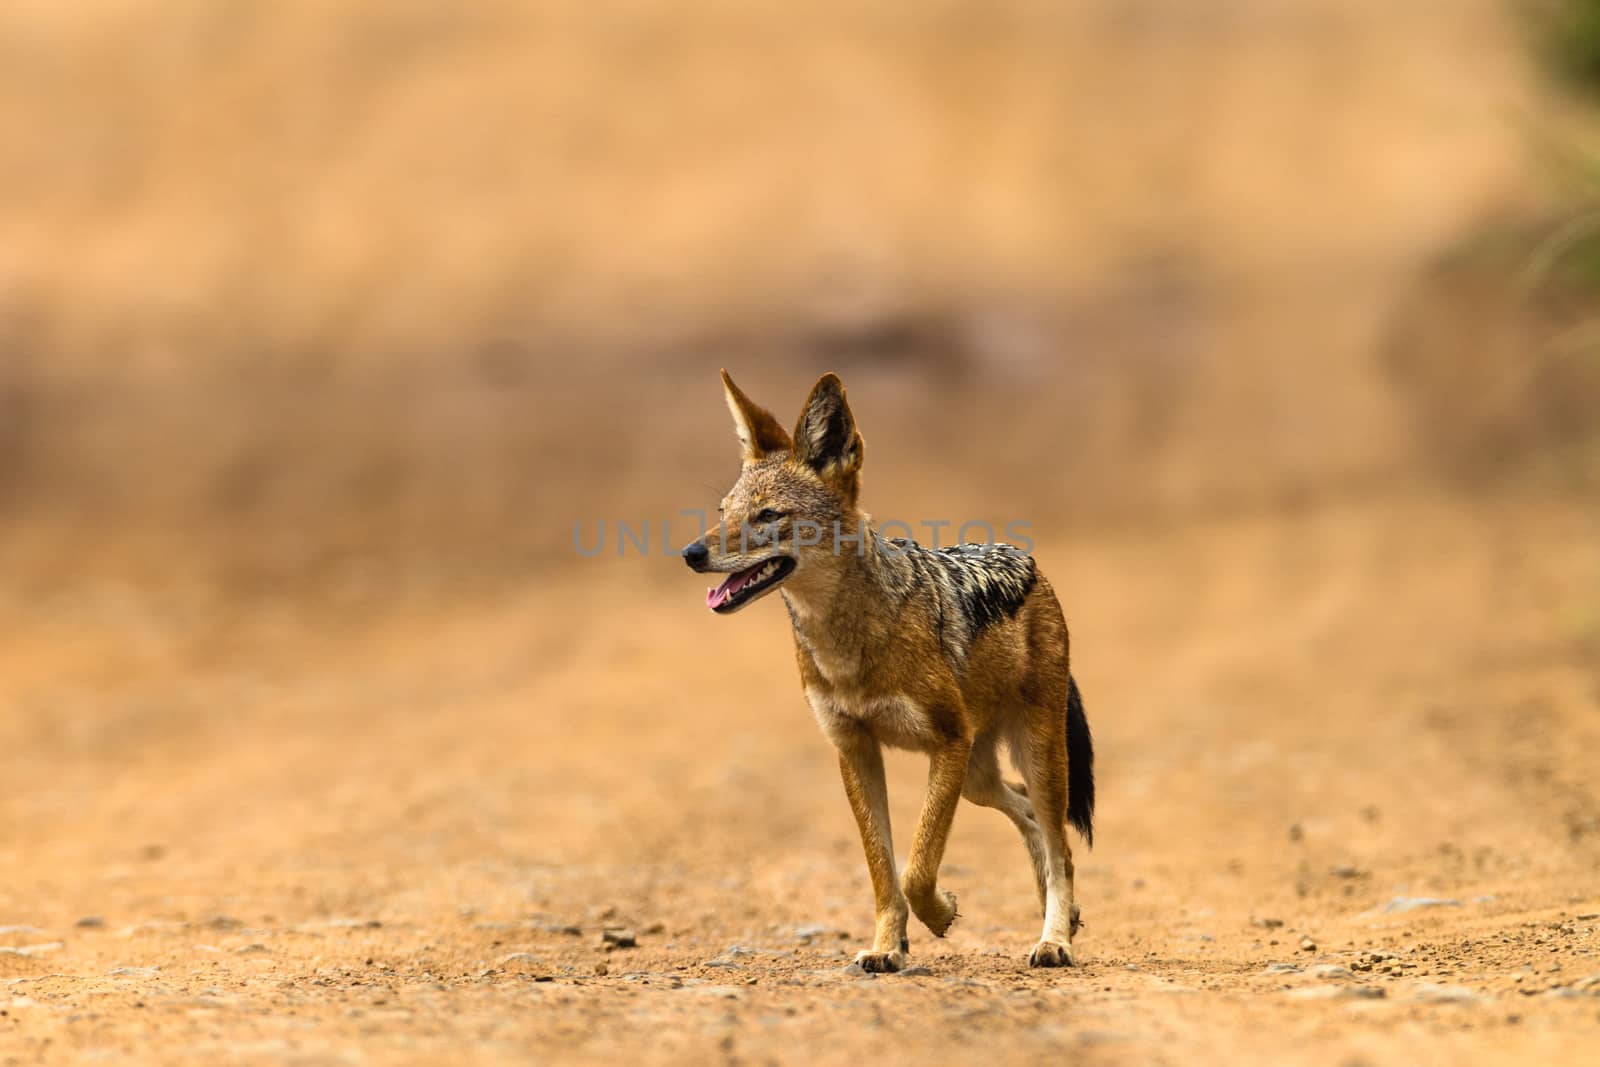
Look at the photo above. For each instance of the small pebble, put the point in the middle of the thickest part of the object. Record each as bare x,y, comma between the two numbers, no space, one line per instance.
570,929
1399,904
30,950
1338,992
1444,994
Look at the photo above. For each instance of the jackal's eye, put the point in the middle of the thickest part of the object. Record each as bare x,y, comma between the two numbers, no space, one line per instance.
765,516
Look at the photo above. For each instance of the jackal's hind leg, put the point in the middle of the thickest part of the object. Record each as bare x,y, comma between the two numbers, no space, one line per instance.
866,787
987,789
1044,765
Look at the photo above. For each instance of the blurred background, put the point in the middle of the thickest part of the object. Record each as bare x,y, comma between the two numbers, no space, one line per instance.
321,324
285,288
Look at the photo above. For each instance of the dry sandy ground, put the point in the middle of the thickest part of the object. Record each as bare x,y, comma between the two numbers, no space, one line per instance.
385,814
342,826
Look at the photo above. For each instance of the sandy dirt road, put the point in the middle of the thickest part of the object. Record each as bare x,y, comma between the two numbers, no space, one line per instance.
426,281
349,827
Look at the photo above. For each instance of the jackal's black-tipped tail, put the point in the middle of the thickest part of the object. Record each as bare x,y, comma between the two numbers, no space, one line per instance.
1080,766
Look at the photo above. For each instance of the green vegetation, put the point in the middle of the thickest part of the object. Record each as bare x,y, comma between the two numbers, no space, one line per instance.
1569,32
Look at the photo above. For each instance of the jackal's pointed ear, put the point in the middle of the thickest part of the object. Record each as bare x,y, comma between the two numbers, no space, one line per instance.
760,433
825,438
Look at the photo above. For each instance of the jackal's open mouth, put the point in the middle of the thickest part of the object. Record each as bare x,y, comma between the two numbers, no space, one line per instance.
744,586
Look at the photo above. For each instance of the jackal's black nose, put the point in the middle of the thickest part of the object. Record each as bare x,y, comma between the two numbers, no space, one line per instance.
696,555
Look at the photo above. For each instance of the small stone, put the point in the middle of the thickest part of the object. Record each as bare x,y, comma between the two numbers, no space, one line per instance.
915,972
90,922
1431,993
30,950
1338,992
601,969
1400,904
569,929
855,970
252,948
160,927
1345,870
1282,968
728,992
618,938
1307,945
1266,924
735,951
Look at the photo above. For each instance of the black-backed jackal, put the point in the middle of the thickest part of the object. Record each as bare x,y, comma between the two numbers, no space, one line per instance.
949,652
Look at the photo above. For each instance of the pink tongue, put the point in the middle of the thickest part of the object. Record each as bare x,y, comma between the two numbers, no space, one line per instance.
735,582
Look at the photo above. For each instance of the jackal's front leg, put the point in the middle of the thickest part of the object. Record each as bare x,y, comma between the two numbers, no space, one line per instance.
861,767
947,772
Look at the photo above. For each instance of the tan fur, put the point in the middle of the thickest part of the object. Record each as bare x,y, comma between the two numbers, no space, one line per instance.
876,667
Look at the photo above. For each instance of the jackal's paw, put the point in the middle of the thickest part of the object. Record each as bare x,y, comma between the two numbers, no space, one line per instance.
937,911
882,962
1051,954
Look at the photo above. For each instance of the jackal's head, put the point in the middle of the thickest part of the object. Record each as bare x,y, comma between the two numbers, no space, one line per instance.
794,496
